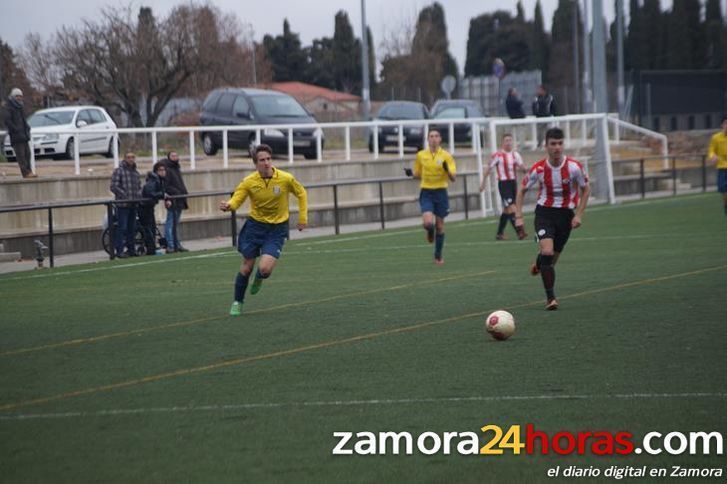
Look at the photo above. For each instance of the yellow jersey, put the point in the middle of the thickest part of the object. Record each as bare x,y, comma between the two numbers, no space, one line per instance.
718,146
269,197
428,166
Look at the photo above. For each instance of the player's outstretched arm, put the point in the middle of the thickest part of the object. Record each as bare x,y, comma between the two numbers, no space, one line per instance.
585,193
519,206
484,178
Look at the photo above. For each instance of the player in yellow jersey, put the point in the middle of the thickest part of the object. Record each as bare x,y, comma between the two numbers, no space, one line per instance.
718,155
436,168
266,227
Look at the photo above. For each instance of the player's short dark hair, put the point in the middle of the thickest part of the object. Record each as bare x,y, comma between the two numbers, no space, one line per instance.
157,165
262,148
554,133
506,135
431,130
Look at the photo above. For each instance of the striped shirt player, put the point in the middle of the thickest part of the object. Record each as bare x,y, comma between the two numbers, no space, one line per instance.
563,192
266,227
506,163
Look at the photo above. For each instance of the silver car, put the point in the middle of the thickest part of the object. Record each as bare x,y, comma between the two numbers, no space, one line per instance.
52,132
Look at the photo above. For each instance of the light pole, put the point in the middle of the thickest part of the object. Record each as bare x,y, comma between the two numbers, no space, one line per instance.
365,95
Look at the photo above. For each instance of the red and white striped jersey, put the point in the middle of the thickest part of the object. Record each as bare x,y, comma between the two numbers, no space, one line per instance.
558,185
505,164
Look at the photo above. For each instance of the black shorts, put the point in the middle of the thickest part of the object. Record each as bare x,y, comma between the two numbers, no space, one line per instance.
508,191
553,223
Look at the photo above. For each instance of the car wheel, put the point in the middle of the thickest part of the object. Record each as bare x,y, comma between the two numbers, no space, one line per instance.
110,152
371,144
310,155
70,150
251,145
208,145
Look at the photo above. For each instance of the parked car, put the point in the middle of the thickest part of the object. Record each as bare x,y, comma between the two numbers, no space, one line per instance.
456,109
389,135
240,107
57,124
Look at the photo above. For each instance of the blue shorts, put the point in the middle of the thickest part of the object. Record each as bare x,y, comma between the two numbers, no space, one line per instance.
435,201
722,180
258,238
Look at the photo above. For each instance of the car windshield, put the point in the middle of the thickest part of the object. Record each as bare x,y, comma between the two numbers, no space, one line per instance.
401,111
278,107
53,118
453,112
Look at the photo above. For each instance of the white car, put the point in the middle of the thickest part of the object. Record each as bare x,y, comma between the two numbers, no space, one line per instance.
52,132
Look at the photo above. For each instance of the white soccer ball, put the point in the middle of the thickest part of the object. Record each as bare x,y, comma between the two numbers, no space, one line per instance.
500,325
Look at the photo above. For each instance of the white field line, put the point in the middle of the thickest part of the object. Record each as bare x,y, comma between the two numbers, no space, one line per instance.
352,403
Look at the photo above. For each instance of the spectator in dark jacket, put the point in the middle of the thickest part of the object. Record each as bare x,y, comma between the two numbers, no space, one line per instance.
175,186
514,104
153,191
19,132
126,185
543,107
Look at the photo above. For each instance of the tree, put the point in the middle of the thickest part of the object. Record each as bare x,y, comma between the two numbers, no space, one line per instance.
417,58
286,56
13,75
716,36
540,42
137,65
560,71
346,55
497,35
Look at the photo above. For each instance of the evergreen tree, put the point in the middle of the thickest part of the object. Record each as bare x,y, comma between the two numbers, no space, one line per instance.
286,56
540,42
346,55
560,72
716,34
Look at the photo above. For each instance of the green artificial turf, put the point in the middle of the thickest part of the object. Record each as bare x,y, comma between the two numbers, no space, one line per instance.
131,371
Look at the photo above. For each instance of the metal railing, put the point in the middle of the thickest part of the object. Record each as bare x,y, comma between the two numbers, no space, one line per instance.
668,171
334,186
479,129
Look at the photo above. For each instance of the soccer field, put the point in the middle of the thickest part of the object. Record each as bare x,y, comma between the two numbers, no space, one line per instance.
132,371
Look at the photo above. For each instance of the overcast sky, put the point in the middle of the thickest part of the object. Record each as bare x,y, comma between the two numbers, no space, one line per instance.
311,19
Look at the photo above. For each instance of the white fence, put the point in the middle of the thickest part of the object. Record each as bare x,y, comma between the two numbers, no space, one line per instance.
578,133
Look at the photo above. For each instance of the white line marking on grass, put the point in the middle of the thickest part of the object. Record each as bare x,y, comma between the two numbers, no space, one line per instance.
121,266
352,403
328,344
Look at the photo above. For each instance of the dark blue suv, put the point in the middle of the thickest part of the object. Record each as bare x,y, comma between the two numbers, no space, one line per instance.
240,107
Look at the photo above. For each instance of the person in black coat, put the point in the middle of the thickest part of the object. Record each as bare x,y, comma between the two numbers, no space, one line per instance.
19,132
174,186
514,105
543,107
154,190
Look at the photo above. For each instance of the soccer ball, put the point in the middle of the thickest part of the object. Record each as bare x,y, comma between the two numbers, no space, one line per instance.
500,325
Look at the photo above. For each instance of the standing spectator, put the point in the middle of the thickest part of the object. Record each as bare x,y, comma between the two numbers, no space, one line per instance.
718,155
126,185
514,104
19,132
154,190
175,186
543,107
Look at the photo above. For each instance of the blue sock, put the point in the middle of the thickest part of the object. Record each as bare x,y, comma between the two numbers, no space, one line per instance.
259,275
240,286
438,244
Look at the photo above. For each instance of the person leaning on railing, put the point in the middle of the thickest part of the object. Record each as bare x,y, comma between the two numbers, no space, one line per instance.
126,185
718,155
153,191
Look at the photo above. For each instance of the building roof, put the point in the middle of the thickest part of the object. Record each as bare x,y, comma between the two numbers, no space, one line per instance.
307,92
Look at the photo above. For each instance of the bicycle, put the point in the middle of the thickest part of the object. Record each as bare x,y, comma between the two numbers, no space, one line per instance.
139,245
